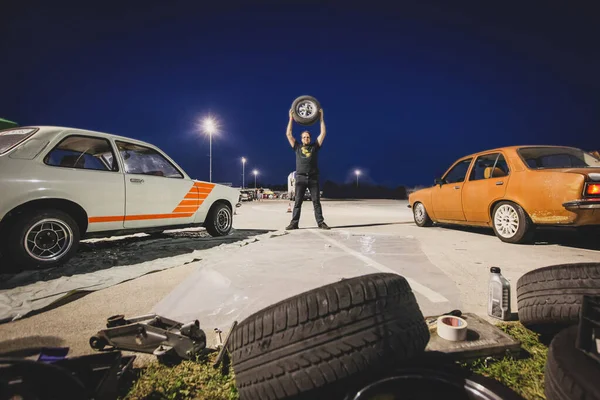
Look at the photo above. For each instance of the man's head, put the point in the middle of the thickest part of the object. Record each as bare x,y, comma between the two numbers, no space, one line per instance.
306,137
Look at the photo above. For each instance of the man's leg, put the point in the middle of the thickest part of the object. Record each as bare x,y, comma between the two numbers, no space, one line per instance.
315,196
301,184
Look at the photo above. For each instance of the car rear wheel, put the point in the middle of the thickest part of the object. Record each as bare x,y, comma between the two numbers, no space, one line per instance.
41,239
420,215
219,221
511,223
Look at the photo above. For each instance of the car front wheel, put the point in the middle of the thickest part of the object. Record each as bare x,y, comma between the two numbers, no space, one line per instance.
420,215
41,239
219,221
511,223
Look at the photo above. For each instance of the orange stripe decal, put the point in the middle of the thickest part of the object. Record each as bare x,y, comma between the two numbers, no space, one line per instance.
156,216
93,220
204,185
189,202
186,207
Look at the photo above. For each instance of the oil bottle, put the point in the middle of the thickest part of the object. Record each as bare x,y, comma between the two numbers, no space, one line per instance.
498,295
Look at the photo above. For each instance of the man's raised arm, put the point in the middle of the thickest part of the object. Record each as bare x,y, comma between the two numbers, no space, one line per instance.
288,133
323,130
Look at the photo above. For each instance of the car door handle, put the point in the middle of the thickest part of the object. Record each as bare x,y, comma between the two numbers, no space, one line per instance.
499,183
456,187
136,180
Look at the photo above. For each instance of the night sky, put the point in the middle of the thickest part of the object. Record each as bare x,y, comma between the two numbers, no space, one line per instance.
405,89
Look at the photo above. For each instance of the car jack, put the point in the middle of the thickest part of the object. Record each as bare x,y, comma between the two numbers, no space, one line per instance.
151,334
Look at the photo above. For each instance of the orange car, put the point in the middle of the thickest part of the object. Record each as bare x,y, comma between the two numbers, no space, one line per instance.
514,189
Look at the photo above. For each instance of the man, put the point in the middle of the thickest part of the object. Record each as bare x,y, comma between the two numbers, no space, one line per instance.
307,172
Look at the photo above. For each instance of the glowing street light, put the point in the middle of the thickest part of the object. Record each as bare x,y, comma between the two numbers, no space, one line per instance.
357,172
209,126
243,170
255,172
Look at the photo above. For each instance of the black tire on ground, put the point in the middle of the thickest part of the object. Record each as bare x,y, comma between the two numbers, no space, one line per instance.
17,229
525,229
325,338
219,220
570,374
306,110
549,298
420,215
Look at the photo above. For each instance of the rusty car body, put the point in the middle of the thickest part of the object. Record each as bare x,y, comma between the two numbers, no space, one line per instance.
513,190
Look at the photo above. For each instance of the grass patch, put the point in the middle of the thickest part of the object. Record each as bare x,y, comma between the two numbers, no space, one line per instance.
187,380
526,375
200,381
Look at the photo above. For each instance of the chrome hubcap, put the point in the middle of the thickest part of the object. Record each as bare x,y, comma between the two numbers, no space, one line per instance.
420,213
506,221
48,240
223,220
306,109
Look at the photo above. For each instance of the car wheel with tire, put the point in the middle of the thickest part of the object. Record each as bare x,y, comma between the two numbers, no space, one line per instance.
569,373
219,221
306,110
420,215
42,239
325,338
511,223
549,298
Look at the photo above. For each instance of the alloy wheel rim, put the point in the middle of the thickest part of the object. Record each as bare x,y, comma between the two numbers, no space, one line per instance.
48,240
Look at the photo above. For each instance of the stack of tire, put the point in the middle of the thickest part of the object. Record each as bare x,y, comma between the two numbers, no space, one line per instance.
336,340
549,303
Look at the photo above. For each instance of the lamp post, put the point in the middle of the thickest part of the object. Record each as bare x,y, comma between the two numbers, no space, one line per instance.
357,172
243,170
255,172
209,126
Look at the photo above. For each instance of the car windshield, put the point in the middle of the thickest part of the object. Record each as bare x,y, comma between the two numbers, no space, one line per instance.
557,157
10,138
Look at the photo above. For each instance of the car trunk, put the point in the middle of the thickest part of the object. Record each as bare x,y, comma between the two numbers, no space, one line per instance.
581,171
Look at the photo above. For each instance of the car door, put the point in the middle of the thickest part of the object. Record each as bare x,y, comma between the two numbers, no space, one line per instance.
157,192
487,183
83,168
447,197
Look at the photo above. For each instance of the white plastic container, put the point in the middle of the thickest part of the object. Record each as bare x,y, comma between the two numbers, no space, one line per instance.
498,295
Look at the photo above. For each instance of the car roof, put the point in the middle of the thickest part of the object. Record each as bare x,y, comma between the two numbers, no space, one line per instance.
510,148
49,130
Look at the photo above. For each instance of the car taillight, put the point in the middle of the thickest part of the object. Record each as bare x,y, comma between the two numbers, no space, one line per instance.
593,189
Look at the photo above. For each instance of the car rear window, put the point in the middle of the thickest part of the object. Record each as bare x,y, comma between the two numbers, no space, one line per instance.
556,157
9,138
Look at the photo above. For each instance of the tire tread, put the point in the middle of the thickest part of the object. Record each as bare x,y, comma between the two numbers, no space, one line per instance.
365,323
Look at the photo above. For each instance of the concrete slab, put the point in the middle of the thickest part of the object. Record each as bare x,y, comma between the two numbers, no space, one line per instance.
232,286
453,262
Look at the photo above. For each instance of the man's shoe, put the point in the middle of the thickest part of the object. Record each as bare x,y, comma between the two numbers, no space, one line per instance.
291,226
323,225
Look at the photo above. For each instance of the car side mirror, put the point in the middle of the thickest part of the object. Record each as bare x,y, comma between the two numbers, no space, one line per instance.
438,181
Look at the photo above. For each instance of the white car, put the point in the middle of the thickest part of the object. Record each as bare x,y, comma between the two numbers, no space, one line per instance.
59,185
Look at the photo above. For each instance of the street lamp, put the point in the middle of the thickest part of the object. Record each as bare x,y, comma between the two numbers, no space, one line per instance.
243,170
209,127
357,172
255,172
